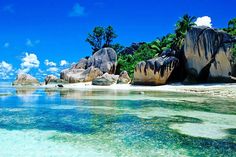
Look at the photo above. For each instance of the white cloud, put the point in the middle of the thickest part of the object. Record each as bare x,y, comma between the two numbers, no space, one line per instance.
5,70
28,62
6,45
40,71
77,10
49,63
53,69
31,43
63,63
204,21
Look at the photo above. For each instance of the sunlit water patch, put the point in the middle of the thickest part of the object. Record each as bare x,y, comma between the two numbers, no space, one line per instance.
60,122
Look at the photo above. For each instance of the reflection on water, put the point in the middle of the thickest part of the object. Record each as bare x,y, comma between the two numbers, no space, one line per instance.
56,122
23,91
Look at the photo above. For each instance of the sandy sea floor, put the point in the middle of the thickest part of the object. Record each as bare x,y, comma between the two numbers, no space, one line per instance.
120,120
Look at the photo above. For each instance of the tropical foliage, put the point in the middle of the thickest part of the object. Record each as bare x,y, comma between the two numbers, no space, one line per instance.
182,26
102,37
146,51
231,29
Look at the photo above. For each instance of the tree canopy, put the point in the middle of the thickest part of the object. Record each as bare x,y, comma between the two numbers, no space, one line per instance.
182,26
231,29
101,38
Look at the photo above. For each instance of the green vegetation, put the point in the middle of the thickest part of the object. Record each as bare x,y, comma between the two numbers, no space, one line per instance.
146,51
231,29
182,26
102,37
96,38
150,50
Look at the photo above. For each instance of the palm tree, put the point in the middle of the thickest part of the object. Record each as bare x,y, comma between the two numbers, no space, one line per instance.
182,26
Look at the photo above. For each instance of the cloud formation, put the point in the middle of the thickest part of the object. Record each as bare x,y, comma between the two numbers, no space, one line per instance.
77,10
5,70
49,63
31,43
204,21
28,62
63,63
53,69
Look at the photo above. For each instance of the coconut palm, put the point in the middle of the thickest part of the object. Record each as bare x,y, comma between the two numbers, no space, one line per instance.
182,26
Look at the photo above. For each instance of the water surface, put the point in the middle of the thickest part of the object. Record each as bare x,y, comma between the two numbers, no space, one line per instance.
59,122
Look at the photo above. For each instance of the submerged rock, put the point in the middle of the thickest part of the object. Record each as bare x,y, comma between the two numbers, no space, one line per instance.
124,78
208,55
154,71
25,80
105,80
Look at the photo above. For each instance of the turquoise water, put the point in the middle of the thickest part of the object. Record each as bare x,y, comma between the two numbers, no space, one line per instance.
67,123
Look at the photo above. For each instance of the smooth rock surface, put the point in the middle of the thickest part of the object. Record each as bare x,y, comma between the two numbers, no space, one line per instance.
25,80
86,70
208,55
105,60
80,75
82,64
51,79
154,71
105,80
124,78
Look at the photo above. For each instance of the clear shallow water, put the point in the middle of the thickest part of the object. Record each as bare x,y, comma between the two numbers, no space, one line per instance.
55,123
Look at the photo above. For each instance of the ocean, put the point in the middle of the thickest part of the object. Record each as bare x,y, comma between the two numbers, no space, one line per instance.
41,122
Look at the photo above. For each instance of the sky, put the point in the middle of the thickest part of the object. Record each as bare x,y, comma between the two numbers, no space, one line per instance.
43,37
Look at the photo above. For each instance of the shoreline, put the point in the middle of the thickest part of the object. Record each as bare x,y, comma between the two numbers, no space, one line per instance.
216,89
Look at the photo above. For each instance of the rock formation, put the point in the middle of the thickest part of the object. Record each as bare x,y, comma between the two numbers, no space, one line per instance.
25,80
51,79
154,71
131,49
124,78
105,60
208,55
86,70
82,64
80,75
105,80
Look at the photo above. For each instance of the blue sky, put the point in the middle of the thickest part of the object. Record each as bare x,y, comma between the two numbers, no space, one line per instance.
37,34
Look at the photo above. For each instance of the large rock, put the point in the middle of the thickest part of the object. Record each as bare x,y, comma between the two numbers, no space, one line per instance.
82,64
105,80
25,80
154,71
51,79
124,78
208,55
131,49
80,75
105,60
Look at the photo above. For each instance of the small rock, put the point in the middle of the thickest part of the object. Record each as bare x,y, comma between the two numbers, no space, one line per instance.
124,78
105,80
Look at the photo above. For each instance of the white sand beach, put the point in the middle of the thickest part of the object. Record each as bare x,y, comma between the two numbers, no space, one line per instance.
222,90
